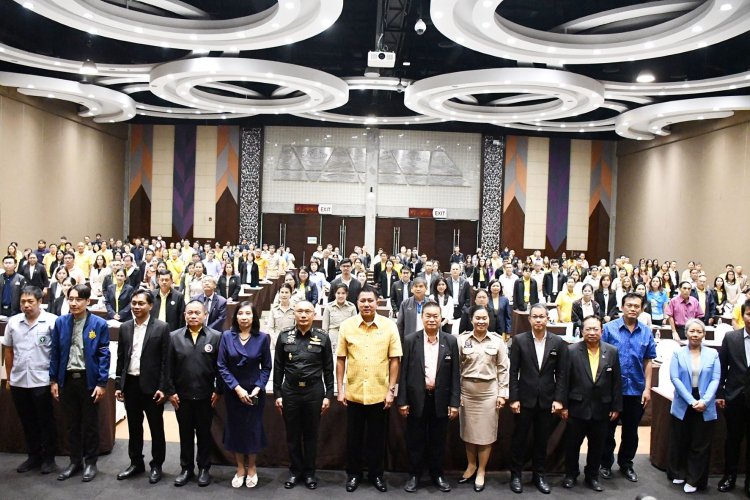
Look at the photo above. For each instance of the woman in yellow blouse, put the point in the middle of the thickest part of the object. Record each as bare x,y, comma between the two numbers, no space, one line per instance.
565,301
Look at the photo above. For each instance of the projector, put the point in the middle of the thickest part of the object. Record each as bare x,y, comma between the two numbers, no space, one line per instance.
381,59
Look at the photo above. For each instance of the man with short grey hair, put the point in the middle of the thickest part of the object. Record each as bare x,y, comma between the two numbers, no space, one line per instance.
215,304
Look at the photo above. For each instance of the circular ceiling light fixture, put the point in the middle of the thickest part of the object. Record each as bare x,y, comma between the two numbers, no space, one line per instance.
646,122
563,94
364,83
103,104
308,89
274,27
466,23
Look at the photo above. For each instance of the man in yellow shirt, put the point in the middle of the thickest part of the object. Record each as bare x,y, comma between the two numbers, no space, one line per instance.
262,265
84,259
175,265
369,350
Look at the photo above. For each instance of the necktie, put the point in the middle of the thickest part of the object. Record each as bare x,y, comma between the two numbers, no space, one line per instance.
208,308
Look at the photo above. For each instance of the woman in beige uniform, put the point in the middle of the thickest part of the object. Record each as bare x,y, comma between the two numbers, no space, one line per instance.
484,388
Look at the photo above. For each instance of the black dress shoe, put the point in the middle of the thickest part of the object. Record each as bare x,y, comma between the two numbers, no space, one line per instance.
470,479
89,473
69,471
727,482
441,484
516,486
593,483
379,484
541,484
204,478
131,471
290,482
629,474
352,484
411,485
155,475
569,482
49,466
29,464
183,477
478,487
311,482
605,472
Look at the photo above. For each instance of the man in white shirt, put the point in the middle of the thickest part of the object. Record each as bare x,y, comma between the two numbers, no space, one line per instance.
508,280
211,266
537,274
27,356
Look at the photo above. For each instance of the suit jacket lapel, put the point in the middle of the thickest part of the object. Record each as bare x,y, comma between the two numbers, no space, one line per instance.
532,347
420,351
602,358
547,349
442,346
584,353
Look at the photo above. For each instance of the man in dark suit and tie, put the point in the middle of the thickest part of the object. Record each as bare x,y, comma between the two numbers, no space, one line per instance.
216,305
430,395
524,291
594,399
141,382
35,274
553,281
169,304
460,290
410,313
328,267
734,396
401,290
538,366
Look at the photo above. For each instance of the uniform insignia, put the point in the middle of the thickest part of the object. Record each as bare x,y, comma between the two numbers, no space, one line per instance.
208,348
92,335
42,339
173,302
467,343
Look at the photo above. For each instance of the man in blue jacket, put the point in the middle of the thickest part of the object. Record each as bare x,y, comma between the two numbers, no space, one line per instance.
78,372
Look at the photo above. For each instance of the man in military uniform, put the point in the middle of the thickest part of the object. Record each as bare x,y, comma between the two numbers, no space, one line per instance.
303,386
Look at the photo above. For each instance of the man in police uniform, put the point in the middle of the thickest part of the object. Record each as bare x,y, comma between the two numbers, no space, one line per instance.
303,355
28,340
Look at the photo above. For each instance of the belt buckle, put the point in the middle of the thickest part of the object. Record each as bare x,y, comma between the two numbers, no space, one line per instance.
302,383
75,375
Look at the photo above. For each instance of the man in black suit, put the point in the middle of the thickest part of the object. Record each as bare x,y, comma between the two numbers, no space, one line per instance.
215,304
553,282
594,398
141,381
430,395
328,267
460,290
401,290
429,275
173,310
379,267
410,313
522,300
131,272
734,396
35,274
346,277
11,284
538,365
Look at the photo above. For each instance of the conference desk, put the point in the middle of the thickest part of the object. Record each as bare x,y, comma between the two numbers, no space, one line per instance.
661,421
11,432
332,441
520,320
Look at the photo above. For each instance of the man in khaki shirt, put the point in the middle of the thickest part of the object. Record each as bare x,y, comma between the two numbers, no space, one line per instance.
368,350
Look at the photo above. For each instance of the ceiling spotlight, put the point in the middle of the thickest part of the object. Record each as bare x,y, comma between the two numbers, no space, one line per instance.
88,68
726,6
420,27
645,77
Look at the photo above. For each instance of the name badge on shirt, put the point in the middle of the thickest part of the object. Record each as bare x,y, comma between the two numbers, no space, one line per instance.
208,348
315,341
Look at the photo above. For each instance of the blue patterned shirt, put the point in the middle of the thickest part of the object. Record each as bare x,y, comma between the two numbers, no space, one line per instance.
634,349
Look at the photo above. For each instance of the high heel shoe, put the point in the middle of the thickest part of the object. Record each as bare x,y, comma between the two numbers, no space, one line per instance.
464,480
478,487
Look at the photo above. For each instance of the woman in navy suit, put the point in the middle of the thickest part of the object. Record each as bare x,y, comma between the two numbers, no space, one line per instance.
695,372
311,290
245,365
117,298
499,306
387,278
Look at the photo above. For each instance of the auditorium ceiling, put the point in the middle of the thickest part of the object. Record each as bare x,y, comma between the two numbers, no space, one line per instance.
601,69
